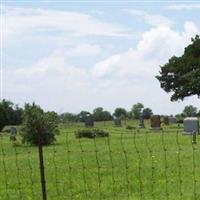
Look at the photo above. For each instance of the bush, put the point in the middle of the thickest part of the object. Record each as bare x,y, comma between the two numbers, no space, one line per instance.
91,133
130,127
39,126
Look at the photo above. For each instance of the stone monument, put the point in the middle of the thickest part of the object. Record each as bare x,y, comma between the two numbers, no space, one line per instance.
191,125
117,121
155,122
166,120
89,122
141,122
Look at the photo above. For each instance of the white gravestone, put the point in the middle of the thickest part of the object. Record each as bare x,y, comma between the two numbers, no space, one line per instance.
191,124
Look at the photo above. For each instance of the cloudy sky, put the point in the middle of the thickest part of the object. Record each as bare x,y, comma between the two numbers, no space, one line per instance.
72,56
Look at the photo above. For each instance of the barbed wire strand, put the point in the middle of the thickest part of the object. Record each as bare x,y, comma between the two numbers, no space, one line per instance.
125,165
179,164
139,164
194,169
98,168
69,165
83,169
166,166
112,168
18,172
152,164
4,168
30,171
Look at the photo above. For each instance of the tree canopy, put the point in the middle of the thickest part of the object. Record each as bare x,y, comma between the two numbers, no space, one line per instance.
181,75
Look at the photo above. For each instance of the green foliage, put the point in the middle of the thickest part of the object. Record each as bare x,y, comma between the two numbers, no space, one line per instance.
100,115
39,126
68,117
120,113
190,111
181,74
91,133
128,127
137,110
10,114
146,113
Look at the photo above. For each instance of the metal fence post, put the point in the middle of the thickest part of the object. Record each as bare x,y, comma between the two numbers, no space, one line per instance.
194,137
41,163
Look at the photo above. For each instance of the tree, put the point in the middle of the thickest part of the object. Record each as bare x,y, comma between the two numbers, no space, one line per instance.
180,75
146,113
68,117
39,126
100,115
82,116
190,111
120,112
10,114
137,110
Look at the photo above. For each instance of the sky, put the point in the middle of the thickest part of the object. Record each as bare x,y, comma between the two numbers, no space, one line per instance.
69,56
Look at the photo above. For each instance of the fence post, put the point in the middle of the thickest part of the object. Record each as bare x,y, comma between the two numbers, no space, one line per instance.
194,137
41,163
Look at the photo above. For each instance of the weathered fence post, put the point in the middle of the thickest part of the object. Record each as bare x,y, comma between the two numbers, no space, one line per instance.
194,137
41,163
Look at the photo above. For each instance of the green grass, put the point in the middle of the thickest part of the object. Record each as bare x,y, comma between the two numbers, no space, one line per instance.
129,164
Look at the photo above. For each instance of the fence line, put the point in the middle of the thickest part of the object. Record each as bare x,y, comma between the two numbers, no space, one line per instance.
129,164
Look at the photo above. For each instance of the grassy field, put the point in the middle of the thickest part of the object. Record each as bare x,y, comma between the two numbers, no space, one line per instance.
137,164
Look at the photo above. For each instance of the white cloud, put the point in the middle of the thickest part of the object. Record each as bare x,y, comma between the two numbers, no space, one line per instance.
20,23
154,49
151,19
181,7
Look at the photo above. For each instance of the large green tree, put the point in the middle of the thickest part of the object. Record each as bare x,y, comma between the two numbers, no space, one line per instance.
181,75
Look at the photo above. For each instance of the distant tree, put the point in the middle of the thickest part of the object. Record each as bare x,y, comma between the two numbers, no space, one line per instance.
68,117
147,112
107,115
100,115
10,114
120,112
83,115
180,75
38,124
137,110
190,111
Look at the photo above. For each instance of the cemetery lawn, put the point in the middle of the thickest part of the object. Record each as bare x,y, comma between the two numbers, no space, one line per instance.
129,164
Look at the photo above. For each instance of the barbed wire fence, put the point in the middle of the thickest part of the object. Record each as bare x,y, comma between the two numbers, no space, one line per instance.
128,164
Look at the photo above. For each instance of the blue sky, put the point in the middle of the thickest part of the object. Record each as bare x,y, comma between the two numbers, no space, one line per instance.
72,56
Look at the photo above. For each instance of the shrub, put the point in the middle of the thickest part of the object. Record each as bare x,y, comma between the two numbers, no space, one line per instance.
91,133
38,126
130,127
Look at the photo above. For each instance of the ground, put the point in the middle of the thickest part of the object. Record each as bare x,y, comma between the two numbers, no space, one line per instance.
129,164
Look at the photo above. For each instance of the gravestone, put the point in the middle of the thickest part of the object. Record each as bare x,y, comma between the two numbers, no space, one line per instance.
89,122
13,133
166,120
191,124
141,122
172,120
155,122
117,121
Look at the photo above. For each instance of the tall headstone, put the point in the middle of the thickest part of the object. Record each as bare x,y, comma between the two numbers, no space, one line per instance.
117,121
89,122
166,120
13,133
191,124
155,122
141,122
172,120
